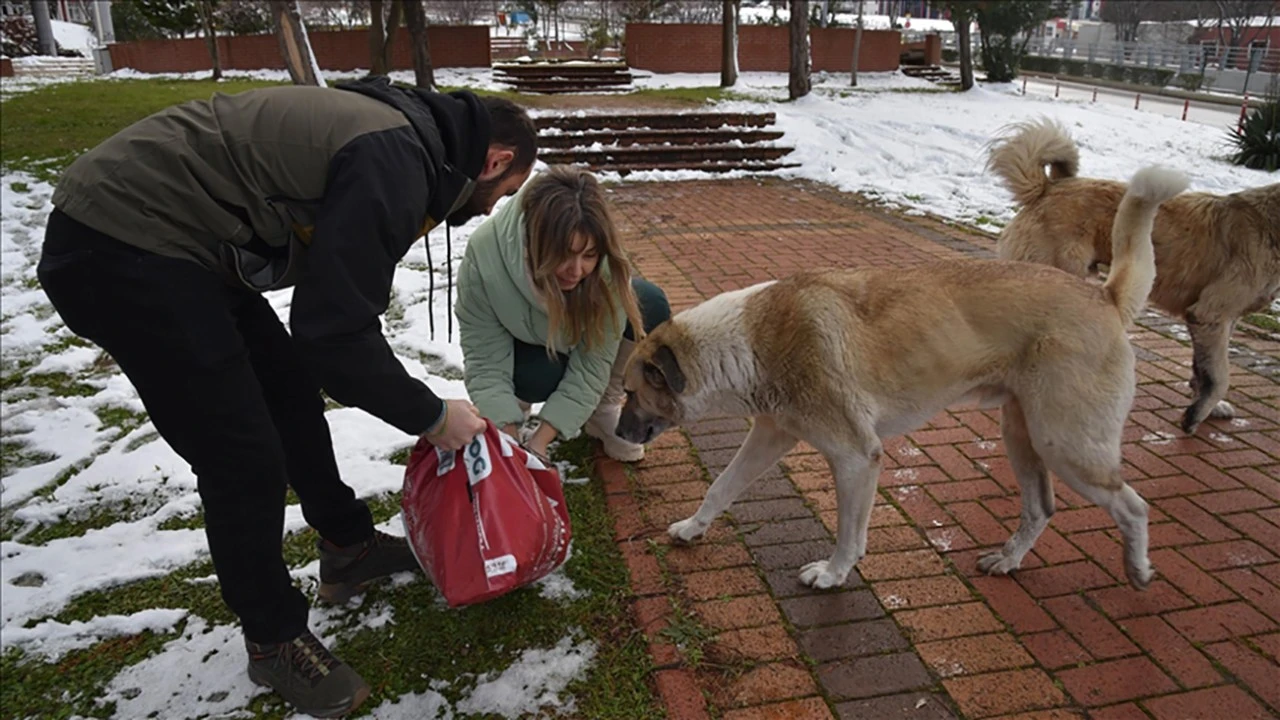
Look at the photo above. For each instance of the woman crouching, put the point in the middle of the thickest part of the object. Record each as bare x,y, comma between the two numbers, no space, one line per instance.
548,312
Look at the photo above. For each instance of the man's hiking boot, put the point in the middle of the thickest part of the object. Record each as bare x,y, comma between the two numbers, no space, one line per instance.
307,676
346,572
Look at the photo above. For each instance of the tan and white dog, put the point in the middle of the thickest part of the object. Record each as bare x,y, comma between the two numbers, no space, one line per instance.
845,358
1217,256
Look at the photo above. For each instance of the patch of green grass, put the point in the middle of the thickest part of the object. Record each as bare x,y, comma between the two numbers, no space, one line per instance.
120,418
687,633
141,440
15,454
99,516
983,220
401,456
70,687
1262,320
60,384
59,121
15,374
20,187
427,642
437,366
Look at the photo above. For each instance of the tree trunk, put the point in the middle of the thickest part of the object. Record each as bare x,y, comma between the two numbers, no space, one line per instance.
294,46
966,53
393,24
377,34
729,43
857,49
205,7
416,20
798,84
45,41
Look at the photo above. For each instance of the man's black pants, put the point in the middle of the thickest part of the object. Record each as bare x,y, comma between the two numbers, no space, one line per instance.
224,386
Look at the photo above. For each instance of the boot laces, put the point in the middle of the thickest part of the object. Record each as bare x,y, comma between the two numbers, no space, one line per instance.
311,657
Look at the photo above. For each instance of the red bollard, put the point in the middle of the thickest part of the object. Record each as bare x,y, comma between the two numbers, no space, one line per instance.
1024,85
1056,86
1137,99
1244,109
1095,95
1185,104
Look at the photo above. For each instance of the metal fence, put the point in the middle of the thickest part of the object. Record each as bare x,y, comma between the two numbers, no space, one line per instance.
1187,58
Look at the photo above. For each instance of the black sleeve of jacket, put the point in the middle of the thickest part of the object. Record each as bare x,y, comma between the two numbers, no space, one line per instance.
374,205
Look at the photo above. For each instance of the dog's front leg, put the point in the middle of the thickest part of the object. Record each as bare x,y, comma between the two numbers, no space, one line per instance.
856,473
765,445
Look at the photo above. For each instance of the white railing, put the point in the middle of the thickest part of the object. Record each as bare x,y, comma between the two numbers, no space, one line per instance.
1189,58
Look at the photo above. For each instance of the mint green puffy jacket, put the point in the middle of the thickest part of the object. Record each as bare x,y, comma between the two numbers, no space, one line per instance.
496,305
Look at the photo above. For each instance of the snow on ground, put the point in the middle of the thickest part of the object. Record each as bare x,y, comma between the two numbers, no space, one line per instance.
892,137
901,140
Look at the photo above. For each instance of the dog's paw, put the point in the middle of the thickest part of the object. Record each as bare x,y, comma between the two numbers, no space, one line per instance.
1223,411
1189,423
1140,576
686,530
997,563
819,575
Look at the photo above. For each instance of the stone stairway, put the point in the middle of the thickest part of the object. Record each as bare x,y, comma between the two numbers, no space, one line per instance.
573,76
631,142
50,66
933,73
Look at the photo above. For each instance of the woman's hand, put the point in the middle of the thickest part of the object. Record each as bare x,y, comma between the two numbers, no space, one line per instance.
462,423
542,437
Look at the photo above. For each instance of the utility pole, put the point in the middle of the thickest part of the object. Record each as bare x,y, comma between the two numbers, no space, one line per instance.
106,35
44,28
102,21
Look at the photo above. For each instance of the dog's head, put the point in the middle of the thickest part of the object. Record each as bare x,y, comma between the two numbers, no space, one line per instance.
655,383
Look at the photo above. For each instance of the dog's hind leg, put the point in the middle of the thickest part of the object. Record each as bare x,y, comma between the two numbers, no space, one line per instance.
1091,467
1129,511
765,445
1035,487
1210,372
857,471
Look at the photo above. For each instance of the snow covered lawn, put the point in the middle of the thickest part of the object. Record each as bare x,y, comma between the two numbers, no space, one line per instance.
105,566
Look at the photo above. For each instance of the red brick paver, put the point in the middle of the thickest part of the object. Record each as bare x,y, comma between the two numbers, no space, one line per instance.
918,632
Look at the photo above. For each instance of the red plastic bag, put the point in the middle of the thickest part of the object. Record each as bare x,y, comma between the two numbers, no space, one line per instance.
484,520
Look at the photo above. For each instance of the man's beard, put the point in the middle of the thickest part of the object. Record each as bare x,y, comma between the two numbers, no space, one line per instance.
478,203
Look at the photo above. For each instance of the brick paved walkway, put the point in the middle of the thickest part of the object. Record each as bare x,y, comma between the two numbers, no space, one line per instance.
918,633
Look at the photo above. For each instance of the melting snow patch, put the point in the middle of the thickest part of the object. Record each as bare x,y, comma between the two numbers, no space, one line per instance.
429,705
533,681
50,640
197,675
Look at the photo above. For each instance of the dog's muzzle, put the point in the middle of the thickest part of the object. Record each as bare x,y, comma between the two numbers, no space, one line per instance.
637,426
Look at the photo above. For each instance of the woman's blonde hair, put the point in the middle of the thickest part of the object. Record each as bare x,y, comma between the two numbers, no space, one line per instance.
560,203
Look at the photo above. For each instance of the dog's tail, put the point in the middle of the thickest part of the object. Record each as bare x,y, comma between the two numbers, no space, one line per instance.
1019,158
1133,262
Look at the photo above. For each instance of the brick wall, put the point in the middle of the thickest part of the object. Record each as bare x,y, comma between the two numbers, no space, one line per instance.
696,48
451,46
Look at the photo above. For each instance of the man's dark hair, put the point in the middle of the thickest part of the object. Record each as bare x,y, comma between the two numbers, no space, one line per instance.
512,127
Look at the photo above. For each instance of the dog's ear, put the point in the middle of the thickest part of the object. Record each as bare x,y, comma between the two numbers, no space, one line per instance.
663,371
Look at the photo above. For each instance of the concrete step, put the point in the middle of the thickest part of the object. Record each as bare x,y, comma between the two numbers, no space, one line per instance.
576,66
602,77
49,66
674,136
655,121
572,88
712,166
664,153
553,83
